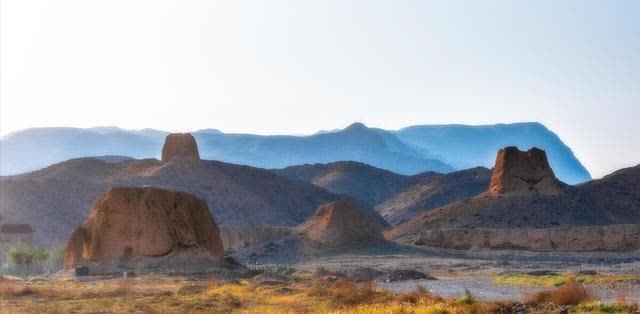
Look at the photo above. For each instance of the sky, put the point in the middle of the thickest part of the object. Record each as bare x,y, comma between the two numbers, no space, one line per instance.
295,67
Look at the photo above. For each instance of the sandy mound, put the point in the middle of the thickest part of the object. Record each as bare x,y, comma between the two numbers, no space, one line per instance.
343,223
127,223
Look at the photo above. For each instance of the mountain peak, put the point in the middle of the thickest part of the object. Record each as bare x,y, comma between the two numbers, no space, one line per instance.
356,126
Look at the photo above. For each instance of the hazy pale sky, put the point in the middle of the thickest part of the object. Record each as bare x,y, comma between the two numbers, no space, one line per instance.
298,66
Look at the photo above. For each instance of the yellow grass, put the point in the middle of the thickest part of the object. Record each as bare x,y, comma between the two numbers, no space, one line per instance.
304,294
560,279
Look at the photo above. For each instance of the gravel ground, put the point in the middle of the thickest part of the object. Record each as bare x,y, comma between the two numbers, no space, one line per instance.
484,288
480,287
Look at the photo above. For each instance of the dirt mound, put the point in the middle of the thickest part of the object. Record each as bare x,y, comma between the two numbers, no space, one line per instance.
180,146
521,173
343,223
126,223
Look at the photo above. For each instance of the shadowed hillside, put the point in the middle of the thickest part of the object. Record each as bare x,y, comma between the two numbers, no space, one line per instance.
396,197
56,198
362,181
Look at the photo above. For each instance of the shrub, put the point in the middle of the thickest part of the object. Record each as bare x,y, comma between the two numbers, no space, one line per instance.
571,293
22,254
55,257
343,292
421,294
10,289
123,288
467,298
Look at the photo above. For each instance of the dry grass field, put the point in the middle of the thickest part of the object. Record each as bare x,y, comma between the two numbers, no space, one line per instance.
299,293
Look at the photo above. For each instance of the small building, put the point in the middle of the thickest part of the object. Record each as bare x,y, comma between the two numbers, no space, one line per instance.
16,233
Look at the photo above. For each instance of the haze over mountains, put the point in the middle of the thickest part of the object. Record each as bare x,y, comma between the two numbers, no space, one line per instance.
253,204
409,151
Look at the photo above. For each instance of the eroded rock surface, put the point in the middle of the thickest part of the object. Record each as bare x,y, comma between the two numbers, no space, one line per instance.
180,146
127,223
343,223
521,173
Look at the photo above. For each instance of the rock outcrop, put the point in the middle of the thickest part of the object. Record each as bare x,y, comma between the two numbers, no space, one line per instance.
623,237
130,223
343,223
180,146
523,173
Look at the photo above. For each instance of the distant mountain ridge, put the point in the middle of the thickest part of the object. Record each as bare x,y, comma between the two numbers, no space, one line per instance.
412,150
466,146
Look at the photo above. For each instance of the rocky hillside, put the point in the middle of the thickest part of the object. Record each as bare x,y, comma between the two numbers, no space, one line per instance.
364,182
56,199
613,200
432,192
397,198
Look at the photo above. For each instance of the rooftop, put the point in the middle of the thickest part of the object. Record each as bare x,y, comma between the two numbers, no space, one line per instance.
16,228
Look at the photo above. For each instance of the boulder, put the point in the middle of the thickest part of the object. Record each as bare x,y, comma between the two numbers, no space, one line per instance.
523,173
130,223
180,146
343,223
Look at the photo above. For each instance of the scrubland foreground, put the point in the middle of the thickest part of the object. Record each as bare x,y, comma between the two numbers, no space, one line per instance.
300,292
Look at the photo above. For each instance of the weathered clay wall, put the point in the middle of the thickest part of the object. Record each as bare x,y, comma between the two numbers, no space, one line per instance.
623,237
143,222
522,173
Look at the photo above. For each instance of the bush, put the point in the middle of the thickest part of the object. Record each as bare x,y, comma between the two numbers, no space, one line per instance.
55,258
467,298
344,292
10,289
421,294
571,293
26,255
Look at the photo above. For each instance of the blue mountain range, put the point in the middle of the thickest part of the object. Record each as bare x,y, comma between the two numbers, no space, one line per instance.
415,149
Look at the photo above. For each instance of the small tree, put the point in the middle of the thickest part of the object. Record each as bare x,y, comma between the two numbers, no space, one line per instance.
26,255
56,257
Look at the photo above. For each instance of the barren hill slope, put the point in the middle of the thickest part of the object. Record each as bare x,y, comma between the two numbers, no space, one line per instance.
432,192
55,199
396,197
364,182
612,200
